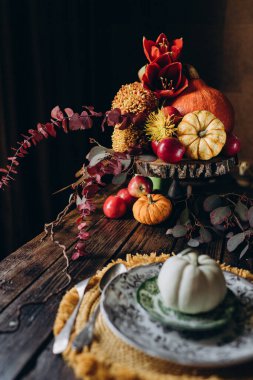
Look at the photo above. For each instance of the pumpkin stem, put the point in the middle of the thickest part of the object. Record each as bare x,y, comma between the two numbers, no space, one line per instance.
192,72
150,199
202,133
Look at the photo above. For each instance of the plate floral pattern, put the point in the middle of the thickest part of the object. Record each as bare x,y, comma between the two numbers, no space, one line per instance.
128,320
149,297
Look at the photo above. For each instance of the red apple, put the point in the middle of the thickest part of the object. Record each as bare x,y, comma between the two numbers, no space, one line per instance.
232,146
114,207
169,111
124,194
154,145
170,150
139,186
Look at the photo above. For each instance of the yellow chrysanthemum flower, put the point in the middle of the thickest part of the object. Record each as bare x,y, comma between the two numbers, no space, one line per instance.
159,126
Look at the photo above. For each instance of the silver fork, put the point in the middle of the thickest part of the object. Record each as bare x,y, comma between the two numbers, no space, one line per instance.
62,339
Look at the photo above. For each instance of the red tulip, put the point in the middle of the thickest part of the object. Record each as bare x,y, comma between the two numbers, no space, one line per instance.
153,50
164,78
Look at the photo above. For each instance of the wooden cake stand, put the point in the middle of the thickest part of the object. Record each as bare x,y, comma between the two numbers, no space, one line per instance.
187,173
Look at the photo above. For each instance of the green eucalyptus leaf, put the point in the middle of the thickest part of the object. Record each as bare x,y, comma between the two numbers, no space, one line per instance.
119,179
245,249
193,243
242,211
212,202
205,235
185,217
235,241
179,231
250,216
220,214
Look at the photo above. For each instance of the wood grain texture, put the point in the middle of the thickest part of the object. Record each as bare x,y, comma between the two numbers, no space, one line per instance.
32,259
37,320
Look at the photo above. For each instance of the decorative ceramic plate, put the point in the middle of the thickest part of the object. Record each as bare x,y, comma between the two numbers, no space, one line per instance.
127,319
149,297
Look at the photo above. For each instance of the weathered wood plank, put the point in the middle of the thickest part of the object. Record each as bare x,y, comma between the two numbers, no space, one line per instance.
48,366
29,262
146,239
37,320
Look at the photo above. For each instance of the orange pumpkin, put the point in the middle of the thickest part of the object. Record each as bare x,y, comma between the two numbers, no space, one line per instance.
152,209
199,96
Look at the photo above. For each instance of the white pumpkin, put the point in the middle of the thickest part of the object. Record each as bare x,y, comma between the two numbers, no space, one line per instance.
191,283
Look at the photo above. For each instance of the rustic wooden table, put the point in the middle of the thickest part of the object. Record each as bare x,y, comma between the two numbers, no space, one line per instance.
34,273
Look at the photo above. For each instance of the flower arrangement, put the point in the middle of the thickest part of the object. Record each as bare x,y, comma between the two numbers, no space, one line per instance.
170,107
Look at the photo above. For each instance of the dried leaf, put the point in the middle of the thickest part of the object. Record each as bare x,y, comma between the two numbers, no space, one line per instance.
235,241
99,157
205,235
193,243
220,214
212,202
242,211
94,151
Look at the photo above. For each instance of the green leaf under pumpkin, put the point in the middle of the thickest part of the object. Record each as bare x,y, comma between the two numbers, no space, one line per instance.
212,202
242,211
220,214
235,241
250,216
205,235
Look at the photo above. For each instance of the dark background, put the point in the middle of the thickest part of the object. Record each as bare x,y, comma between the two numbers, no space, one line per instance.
72,53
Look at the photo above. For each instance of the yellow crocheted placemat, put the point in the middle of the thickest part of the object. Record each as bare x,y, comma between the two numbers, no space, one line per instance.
109,358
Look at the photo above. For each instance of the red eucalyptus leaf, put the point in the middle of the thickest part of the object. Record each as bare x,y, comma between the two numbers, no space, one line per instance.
114,117
57,114
80,245
83,235
90,191
50,129
126,122
69,112
91,111
86,120
82,225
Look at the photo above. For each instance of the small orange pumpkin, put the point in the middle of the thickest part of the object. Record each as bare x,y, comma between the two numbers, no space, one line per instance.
152,209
